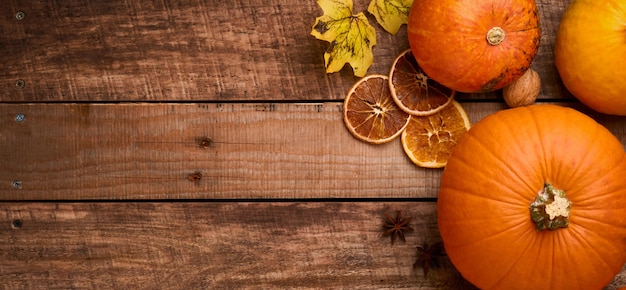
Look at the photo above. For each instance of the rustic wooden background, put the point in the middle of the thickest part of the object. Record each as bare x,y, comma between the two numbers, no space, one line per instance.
191,144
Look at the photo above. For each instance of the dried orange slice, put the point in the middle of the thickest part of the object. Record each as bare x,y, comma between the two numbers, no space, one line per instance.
413,90
370,113
429,140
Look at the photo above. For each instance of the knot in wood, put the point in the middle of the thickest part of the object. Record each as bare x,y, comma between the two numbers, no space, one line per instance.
195,177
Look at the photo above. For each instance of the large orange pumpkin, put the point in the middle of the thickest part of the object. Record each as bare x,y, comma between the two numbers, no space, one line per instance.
535,198
590,53
474,46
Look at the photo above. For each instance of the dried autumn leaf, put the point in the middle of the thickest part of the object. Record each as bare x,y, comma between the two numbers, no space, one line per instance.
390,14
351,37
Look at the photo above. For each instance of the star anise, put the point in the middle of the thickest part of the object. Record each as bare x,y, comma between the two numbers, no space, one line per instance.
396,226
428,256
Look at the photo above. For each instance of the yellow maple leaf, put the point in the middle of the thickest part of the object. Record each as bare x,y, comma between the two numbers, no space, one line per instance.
390,14
351,37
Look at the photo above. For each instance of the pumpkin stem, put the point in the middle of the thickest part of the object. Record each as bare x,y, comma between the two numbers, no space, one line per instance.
495,35
551,208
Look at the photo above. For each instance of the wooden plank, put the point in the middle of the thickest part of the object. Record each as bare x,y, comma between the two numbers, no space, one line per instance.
137,151
214,246
155,50
148,151
206,245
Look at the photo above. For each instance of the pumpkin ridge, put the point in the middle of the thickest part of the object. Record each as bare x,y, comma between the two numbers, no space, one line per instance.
573,173
579,236
524,179
582,160
585,222
555,243
538,130
458,191
495,236
510,171
505,164
602,180
583,238
482,239
581,170
528,246
592,199
585,198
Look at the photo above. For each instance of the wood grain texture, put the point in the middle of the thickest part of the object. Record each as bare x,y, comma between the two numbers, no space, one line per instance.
207,245
215,246
144,151
154,50
148,151
183,190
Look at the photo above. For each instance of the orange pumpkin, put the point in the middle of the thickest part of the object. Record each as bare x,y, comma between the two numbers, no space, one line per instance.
535,198
590,53
474,46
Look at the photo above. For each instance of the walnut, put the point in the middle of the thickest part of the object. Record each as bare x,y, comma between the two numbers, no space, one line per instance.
523,91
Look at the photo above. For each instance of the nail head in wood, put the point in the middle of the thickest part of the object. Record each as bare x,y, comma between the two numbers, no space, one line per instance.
20,15
20,118
16,184
205,142
20,84
17,224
